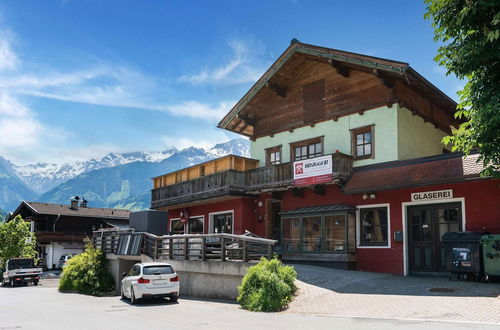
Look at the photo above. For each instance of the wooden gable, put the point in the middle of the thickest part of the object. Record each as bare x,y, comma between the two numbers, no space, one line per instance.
310,87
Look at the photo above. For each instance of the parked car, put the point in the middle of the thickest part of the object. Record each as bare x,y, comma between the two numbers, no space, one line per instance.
21,271
63,260
150,280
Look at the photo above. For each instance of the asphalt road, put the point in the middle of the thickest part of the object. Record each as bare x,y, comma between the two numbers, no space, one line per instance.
43,307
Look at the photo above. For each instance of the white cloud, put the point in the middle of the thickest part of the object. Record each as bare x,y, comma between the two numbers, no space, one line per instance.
245,66
210,139
8,59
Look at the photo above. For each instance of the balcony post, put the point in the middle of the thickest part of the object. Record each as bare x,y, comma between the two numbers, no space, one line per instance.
186,248
245,251
170,248
203,248
222,249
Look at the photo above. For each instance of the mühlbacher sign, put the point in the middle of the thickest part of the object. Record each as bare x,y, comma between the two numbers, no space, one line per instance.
312,171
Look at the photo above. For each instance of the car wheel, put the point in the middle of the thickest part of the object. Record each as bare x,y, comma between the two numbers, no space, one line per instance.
133,301
35,283
12,282
174,298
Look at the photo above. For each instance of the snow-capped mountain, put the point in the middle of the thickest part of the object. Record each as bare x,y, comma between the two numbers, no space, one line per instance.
42,177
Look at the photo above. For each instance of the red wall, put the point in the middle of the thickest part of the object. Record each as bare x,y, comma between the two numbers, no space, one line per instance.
482,212
246,214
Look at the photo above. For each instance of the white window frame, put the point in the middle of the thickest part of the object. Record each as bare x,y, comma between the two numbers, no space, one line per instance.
175,219
197,217
404,218
358,226
211,220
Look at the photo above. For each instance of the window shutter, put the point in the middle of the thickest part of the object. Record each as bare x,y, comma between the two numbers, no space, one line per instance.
314,101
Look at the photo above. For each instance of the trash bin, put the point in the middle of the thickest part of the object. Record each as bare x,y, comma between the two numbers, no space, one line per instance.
491,255
463,251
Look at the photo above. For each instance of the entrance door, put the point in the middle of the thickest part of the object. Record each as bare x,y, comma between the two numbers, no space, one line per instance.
426,226
276,221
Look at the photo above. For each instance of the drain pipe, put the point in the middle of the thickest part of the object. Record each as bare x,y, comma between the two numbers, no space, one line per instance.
54,225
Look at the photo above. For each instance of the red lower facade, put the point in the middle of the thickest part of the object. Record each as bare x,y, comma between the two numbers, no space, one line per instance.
473,205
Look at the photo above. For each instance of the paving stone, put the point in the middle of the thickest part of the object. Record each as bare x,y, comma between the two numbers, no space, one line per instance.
323,290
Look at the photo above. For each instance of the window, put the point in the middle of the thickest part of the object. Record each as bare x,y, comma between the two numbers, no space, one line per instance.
195,225
176,227
373,226
273,156
307,149
362,142
223,223
157,270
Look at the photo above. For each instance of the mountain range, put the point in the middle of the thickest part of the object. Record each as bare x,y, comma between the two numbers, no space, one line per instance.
118,180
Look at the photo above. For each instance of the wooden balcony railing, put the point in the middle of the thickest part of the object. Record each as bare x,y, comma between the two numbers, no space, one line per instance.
240,182
224,247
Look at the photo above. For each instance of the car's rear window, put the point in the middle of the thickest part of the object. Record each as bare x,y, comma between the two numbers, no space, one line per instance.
152,270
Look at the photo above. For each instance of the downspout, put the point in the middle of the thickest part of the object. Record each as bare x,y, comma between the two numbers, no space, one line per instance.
54,224
53,247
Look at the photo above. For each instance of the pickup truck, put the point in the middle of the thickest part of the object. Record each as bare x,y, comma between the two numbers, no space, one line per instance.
21,271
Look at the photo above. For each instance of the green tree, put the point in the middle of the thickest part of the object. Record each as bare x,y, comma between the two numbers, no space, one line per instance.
16,240
469,31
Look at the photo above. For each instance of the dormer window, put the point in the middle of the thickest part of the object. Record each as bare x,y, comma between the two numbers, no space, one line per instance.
362,142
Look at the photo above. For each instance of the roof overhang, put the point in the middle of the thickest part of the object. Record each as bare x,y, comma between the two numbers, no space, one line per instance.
392,67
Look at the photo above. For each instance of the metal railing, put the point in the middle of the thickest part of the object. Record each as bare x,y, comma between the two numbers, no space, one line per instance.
223,247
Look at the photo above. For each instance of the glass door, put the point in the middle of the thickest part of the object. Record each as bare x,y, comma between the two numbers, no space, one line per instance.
426,226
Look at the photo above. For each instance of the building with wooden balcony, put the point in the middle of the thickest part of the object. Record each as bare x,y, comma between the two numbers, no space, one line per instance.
347,167
61,229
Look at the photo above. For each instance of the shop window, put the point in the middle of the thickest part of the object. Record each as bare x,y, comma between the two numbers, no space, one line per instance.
223,223
374,227
290,240
273,156
335,233
195,225
312,234
362,142
307,149
176,227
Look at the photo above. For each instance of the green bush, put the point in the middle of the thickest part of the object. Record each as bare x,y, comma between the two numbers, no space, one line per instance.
267,286
87,273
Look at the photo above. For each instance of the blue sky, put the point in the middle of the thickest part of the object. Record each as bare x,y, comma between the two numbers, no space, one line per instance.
82,78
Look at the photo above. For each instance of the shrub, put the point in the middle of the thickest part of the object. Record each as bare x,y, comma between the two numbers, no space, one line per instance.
87,273
267,286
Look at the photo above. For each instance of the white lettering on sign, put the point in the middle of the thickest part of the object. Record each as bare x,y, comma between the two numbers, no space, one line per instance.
431,195
313,171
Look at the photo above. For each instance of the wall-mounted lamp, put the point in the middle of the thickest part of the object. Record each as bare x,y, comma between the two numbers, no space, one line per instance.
365,196
373,196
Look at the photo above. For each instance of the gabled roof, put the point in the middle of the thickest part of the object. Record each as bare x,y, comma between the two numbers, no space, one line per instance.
447,168
65,210
392,67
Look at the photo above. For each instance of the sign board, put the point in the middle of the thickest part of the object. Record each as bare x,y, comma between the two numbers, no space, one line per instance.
431,195
312,171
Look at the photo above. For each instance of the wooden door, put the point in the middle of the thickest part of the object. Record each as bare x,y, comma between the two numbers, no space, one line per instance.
426,226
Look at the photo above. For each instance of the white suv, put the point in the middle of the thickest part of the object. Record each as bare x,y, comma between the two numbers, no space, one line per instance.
150,280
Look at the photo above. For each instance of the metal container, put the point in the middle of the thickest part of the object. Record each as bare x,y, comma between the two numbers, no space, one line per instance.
463,251
491,255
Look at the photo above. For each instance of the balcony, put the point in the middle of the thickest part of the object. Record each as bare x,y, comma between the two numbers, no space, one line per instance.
240,183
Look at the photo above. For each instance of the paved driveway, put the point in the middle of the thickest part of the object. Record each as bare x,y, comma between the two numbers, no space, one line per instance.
43,307
330,291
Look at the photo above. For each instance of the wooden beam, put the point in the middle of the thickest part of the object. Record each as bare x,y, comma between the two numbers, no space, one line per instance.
247,120
278,90
384,78
341,69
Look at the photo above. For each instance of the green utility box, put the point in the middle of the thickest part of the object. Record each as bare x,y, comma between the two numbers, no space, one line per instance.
491,254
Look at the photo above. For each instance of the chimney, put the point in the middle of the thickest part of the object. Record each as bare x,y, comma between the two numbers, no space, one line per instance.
83,203
74,203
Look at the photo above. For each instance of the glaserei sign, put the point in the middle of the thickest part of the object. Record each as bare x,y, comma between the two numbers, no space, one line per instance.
431,195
